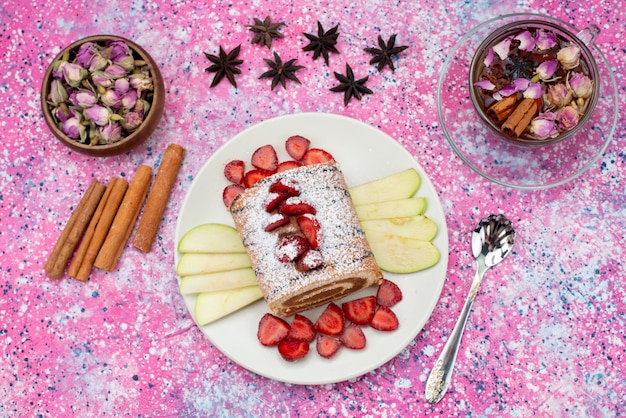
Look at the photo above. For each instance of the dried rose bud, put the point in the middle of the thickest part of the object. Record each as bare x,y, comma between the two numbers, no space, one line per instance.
129,99
117,49
100,115
121,85
73,74
84,98
546,69
569,57
100,78
85,52
558,95
58,94
568,117
111,132
98,62
115,71
140,81
581,85
110,98
73,128
132,120
543,126
545,39
127,62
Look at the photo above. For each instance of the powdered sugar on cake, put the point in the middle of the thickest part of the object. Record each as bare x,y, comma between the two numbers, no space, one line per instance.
343,248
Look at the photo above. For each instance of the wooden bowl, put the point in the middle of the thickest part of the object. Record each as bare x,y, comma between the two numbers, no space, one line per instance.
126,143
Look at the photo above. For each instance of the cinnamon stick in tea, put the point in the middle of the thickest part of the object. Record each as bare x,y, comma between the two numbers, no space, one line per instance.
521,117
73,231
158,197
124,220
88,251
500,110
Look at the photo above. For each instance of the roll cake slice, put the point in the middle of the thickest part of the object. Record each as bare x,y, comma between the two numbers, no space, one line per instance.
348,264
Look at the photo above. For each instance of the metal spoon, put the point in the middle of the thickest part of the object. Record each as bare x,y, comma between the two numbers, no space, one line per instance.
492,240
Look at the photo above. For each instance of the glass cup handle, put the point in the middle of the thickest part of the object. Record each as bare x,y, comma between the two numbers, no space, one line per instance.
589,34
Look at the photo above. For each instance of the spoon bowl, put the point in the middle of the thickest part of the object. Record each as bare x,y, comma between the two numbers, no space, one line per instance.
492,241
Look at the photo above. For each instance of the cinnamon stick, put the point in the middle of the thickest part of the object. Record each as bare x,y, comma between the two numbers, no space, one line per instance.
73,231
124,220
521,117
500,110
97,231
158,197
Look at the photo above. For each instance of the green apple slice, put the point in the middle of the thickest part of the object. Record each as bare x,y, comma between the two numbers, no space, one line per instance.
221,280
417,227
200,263
401,208
211,238
397,254
211,306
396,186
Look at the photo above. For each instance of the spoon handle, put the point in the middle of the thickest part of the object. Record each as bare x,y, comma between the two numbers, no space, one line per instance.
441,374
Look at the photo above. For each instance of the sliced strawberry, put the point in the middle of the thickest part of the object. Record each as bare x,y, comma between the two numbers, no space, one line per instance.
276,221
285,186
310,227
353,337
234,171
294,206
327,346
384,319
310,260
274,201
292,350
265,158
388,294
288,165
230,192
272,330
254,176
290,247
297,146
316,156
302,329
360,311
331,321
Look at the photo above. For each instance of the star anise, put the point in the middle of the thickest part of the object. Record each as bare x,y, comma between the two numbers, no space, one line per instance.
279,72
351,87
265,31
224,65
323,43
383,55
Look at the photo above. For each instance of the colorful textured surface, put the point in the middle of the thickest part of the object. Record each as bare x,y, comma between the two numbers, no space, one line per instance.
547,332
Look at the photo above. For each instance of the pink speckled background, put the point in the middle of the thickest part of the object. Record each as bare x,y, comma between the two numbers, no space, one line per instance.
547,331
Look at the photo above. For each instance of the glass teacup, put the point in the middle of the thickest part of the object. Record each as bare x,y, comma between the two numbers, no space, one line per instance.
535,82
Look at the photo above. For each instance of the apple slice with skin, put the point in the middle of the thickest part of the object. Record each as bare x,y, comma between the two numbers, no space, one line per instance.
211,306
211,238
417,227
397,254
400,208
396,186
200,263
221,280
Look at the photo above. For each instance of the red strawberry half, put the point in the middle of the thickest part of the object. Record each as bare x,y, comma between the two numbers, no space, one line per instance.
327,346
360,311
310,227
276,221
316,156
310,260
285,186
388,294
294,206
230,192
288,165
353,337
254,176
302,329
292,350
290,247
297,146
234,171
331,321
265,158
384,319
272,330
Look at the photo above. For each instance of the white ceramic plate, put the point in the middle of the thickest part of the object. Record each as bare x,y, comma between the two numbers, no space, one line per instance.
365,154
